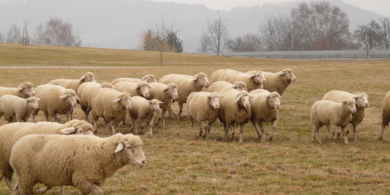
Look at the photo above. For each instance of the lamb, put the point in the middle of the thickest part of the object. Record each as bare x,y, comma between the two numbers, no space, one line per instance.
203,107
11,133
361,104
325,112
74,83
147,78
186,85
111,105
278,81
143,109
25,90
18,108
253,81
265,108
167,94
85,93
55,100
84,162
135,89
220,85
385,115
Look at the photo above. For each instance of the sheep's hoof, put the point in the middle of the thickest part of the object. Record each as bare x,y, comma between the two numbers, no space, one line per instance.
380,138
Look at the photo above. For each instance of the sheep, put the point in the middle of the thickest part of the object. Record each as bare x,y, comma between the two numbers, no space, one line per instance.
84,162
186,85
11,133
385,115
325,112
220,85
111,105
203,107
74,83
18,108
166,93
85,93
25,90
361,104
278,81
143,109
253,81
55,100
148,78
135,89
265,108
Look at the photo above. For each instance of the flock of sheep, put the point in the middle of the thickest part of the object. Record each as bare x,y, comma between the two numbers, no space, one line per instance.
56,154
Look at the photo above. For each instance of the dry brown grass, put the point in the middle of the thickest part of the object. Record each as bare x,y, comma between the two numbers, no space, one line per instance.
179,164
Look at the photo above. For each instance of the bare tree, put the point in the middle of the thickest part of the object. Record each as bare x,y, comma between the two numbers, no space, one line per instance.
59,33
369,35
13,35
162,32
216,34
1,37
25,38
203,44
385,32
39,35
277,33
248,42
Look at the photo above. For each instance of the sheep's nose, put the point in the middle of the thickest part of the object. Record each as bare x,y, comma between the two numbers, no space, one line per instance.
176,97
158,109
264,82
294,79
366,105
144,162
128,107
247,105
36,107
217,106
33,94
75,104
277,106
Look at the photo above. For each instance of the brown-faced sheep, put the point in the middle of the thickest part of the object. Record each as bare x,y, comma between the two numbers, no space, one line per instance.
55,100
265,108
17,108
278,81
85,93
330,113
253,81
385,115
135,89
361,104
84,162
11,133
142,109
74,83
25,90
186,85
203,107
147,78
221,85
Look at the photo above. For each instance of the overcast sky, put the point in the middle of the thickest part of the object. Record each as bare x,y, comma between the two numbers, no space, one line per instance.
379,6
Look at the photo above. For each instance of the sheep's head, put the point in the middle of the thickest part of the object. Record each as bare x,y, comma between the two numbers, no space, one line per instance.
154,105
274,99
258,78
143,88
349,104
78,127
87,77
124,99
130,147
70,97
242,99
27,88
201,80
361,100
32,102
106,85
149,78
240,86
288,75
214,100
171,89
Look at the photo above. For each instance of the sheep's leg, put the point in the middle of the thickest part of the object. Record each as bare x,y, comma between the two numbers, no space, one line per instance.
106,126
273,129
43,190
114,126
192,124
88,188
173,115
180,111
150,123
200,130
52,118
47,116
259,134
8,181
69,115
336,133
315,133
226,128
241,132
383,127
262,131
233,131
328,135
344,131
354,133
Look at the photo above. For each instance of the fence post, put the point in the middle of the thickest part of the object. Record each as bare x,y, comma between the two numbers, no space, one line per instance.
337,56
303,56
320,57
285,57
354,56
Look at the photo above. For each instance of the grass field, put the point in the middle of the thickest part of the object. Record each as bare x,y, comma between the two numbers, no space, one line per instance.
179,164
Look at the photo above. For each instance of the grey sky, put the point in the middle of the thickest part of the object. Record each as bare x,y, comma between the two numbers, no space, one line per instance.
379,6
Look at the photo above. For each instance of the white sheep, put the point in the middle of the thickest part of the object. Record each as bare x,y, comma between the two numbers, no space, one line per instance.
55,99
278,81
166,93
17,108
25,90
220,85
135,89
11,133
84,162
111,105
142,109
147,78
361,104
186,85
203,107
385,114
85,93
330,113
74,83
253,81
265,108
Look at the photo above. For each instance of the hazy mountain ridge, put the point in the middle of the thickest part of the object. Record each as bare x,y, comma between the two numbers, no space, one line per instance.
106,23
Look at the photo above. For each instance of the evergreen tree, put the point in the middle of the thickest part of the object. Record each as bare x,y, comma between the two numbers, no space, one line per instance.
174,41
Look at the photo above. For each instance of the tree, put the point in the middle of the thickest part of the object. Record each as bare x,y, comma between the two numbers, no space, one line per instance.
1,37
13,35
369,35
248,42
26,40
277,33
148,40
385,32
175,43
38,35
162,32
216,35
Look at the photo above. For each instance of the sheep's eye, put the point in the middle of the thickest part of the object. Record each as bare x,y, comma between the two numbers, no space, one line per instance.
128,147
360,98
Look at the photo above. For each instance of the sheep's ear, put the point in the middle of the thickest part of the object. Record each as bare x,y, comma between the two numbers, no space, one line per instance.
355,97
252,75
64,96
281,73
117,100
221,96
251,96
238,98
119,147
150,102
343,101
267,96
161,102
165,89
68,131
20,88
82,79
150,86
196,77
77,98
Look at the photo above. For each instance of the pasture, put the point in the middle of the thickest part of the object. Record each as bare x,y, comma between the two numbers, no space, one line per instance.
179,164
